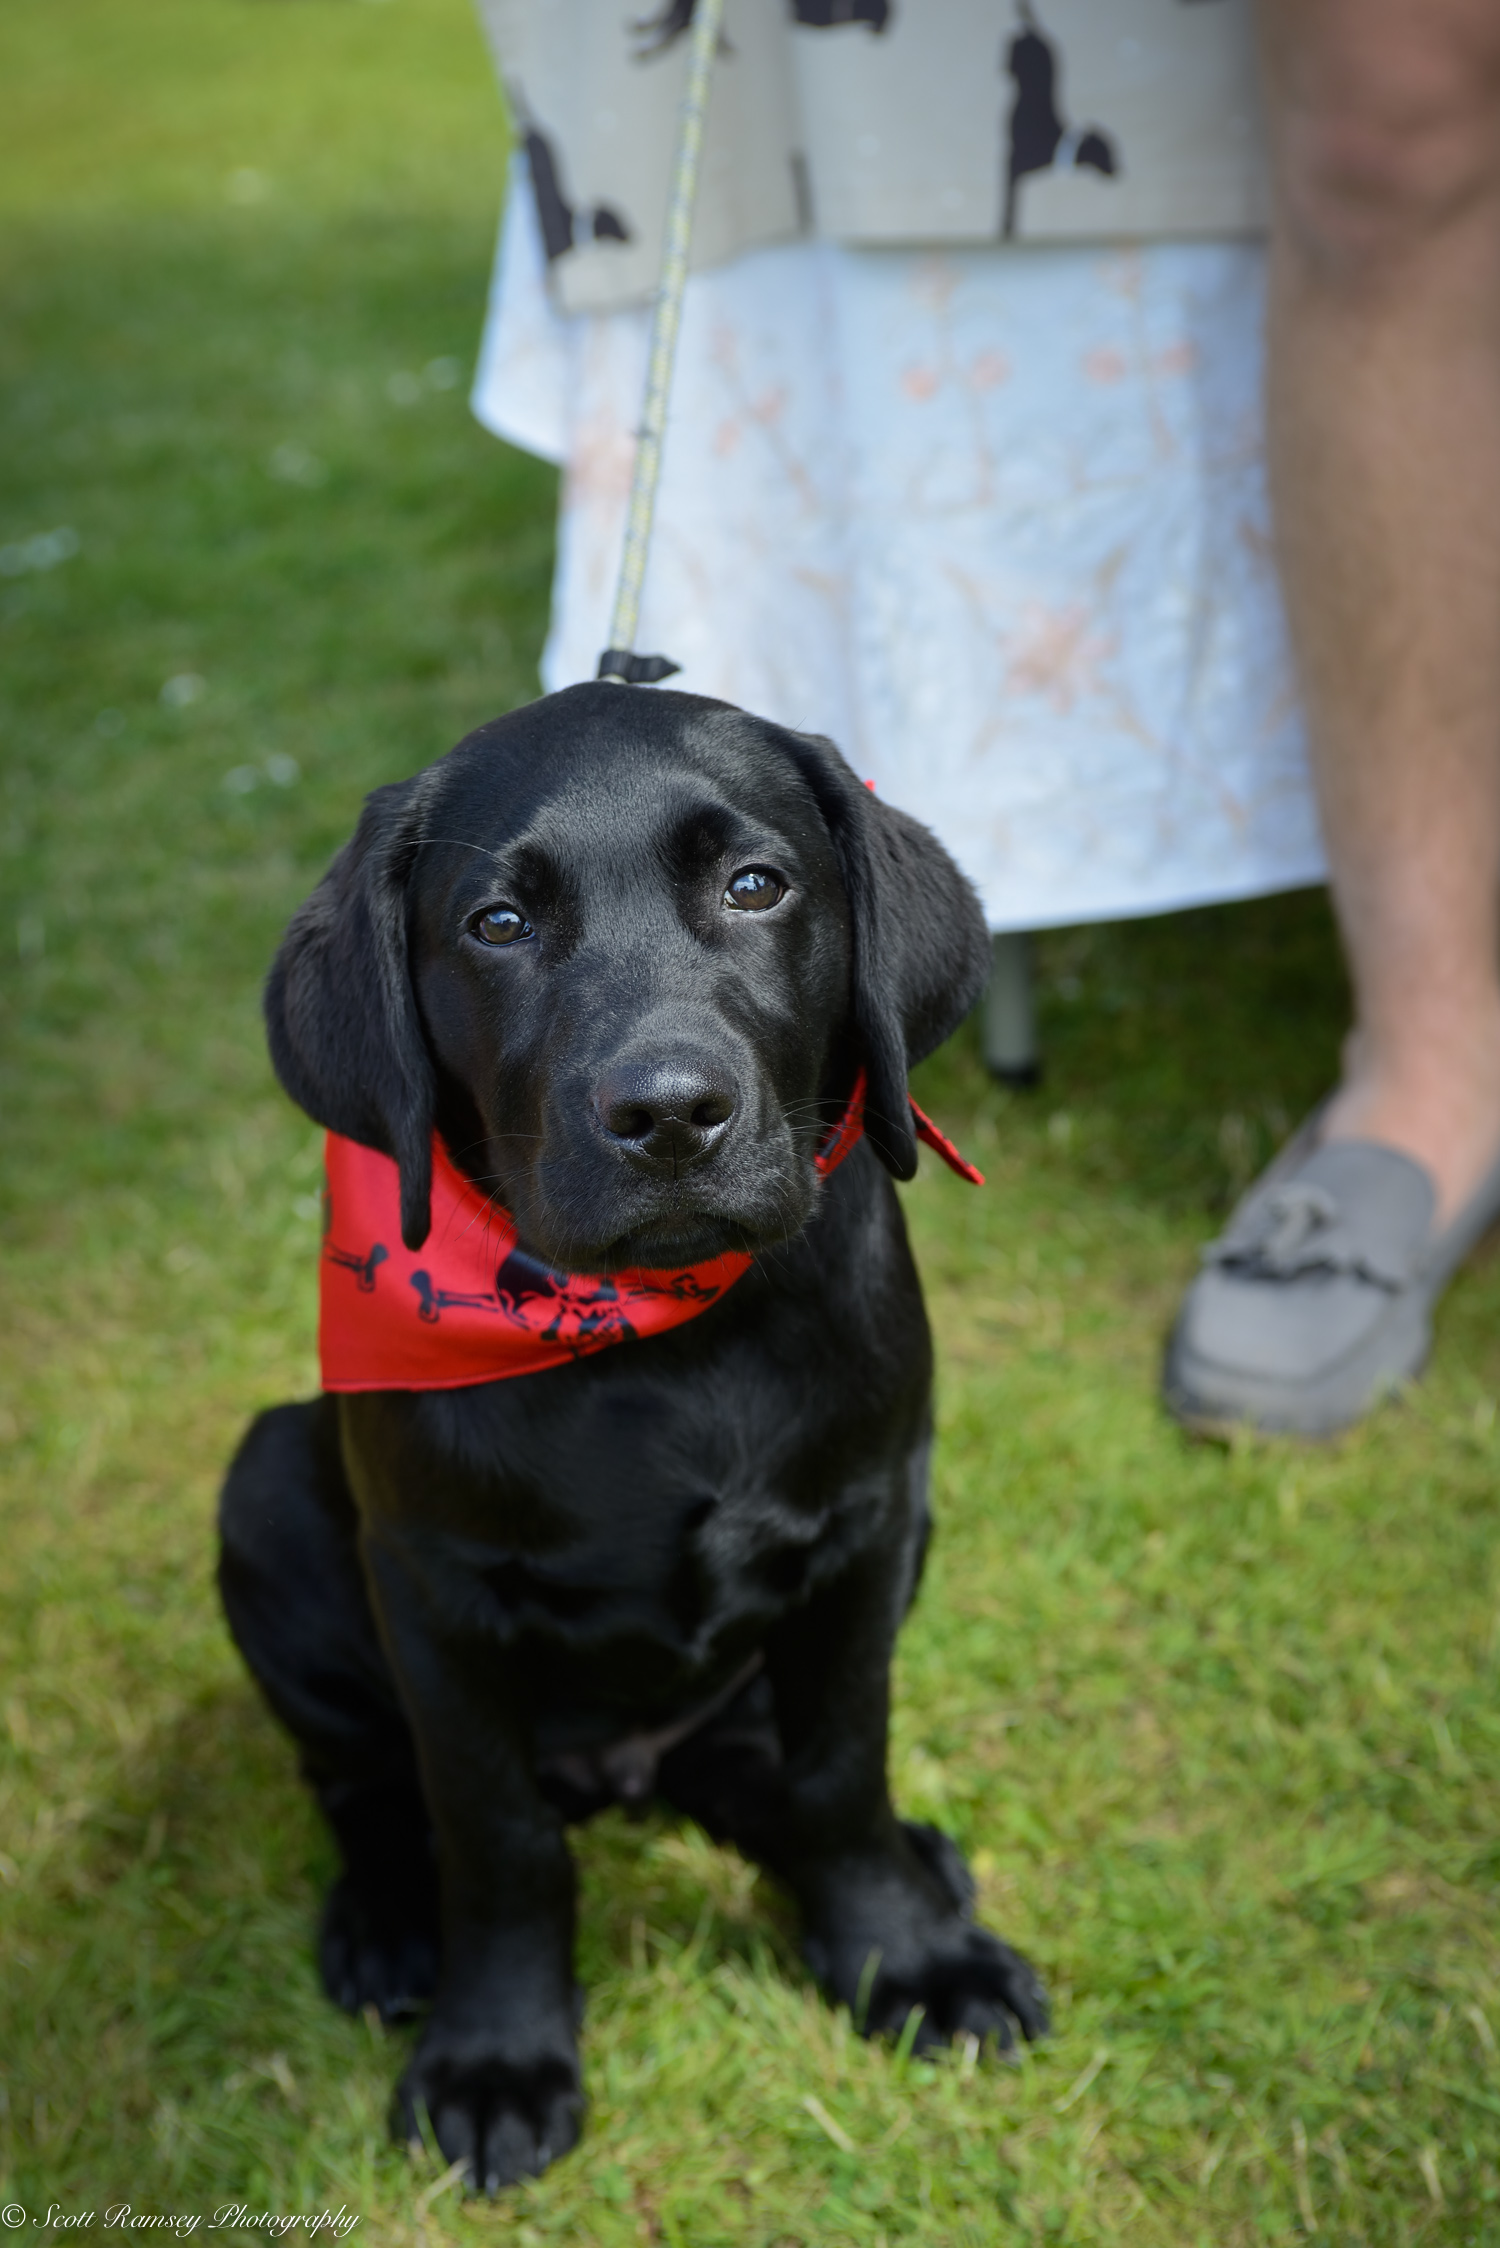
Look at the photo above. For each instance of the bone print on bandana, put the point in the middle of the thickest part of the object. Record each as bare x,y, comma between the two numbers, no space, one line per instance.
470,1305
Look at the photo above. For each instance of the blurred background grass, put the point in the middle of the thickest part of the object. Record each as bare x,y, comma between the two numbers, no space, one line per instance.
1218,1727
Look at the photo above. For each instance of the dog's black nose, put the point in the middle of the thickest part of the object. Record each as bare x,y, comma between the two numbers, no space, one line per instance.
666,1113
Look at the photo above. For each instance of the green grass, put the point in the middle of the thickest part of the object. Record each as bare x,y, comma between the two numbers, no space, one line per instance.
1219,1728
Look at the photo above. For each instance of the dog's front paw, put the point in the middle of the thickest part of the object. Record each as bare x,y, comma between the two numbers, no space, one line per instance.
966,1983
893,1938
944,1860
378,1953
502,2118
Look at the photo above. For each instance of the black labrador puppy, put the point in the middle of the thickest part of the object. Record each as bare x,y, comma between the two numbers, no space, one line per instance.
627,955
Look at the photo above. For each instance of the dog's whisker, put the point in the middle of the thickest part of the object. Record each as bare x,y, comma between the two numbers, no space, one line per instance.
487,1139
459,842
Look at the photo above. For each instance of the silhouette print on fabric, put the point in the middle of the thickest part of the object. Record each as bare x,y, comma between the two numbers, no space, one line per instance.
558,1307
1038,138
827,15
656,33
562,226
363,1268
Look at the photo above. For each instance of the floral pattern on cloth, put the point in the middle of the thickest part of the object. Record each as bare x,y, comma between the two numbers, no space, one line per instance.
995,520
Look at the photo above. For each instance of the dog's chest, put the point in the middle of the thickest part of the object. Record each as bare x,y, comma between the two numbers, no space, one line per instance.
660,1515
635,1524
675,1523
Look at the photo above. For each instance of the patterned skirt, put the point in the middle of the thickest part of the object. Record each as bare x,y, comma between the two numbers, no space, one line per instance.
994,519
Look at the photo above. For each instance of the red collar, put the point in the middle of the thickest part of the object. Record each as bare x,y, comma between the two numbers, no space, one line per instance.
469,1306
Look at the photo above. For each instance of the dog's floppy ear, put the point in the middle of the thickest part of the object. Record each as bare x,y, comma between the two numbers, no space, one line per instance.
921,949
345,1037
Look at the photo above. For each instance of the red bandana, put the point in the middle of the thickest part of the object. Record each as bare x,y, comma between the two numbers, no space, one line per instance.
469,1306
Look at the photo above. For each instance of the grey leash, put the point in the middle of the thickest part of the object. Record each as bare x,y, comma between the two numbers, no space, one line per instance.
619,661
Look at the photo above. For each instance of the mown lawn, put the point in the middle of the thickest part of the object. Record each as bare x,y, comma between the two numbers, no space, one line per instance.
1219,1728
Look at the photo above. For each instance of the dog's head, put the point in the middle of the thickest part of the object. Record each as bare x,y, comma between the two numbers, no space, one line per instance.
628,951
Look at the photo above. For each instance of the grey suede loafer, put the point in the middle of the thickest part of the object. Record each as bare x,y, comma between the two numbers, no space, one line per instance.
1317,1300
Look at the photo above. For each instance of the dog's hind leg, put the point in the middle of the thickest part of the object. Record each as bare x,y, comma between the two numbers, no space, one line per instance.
294,1592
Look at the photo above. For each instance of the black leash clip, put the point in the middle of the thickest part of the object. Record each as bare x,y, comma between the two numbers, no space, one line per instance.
630,670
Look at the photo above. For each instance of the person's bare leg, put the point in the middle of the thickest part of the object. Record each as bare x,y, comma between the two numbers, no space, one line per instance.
1384,436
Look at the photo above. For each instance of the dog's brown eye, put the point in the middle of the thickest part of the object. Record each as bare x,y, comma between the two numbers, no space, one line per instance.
753,889
501,925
